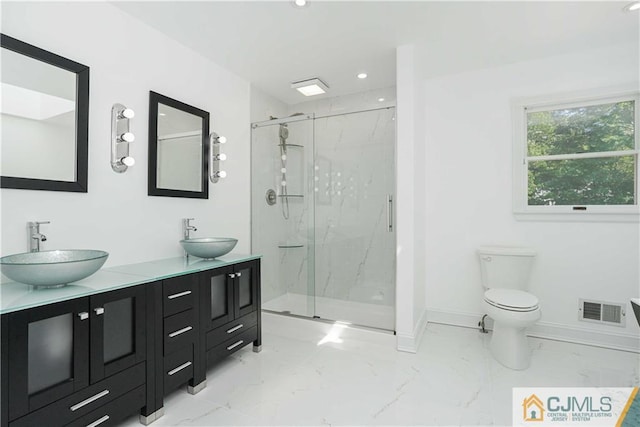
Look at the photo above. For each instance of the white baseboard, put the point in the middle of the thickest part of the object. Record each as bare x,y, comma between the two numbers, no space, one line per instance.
547,330
411,342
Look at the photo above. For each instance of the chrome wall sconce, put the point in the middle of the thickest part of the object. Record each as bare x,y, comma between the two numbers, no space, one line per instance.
216,157
121,137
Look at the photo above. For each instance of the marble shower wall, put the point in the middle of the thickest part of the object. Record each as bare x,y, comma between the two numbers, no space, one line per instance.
283,242
355,172
296,242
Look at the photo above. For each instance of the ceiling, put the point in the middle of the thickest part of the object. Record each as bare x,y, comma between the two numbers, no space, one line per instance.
273,43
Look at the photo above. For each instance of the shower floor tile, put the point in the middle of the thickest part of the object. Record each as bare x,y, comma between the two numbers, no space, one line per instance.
314,374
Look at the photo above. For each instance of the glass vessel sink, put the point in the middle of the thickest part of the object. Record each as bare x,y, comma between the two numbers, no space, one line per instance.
208,247
47,269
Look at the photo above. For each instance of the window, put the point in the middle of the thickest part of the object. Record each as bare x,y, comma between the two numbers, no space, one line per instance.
577,157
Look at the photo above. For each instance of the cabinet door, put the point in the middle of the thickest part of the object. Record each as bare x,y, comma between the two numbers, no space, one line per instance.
118,332
217,297
48,354
246,288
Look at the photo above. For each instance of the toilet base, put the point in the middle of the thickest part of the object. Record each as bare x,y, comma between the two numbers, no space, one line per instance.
510,347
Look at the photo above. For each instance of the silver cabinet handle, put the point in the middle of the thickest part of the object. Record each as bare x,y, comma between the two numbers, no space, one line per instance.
235,328
178,295
83,316
180,331
98,422
238,274
232,346
99,311
89,400
179,368
232,275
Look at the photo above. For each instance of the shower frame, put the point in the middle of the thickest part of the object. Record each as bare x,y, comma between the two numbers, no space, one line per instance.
311,294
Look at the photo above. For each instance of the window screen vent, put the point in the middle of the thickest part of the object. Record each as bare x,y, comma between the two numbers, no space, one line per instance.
601,312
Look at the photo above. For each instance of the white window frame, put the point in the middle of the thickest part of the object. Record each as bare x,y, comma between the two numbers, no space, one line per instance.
598,213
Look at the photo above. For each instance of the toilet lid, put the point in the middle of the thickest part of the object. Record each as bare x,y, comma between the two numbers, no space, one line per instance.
511,299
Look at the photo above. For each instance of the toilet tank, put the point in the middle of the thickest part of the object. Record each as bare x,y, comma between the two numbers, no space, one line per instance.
505,266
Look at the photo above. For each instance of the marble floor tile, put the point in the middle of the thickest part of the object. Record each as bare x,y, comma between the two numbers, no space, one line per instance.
315,374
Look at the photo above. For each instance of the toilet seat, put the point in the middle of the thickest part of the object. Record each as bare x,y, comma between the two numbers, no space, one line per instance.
511,299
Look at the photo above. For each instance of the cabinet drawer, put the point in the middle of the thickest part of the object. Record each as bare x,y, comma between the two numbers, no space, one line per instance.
231,346
178,368
231,329
114,412
88,399
179,331
178,294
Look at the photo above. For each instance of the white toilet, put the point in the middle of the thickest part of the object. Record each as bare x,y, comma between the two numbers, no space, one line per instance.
505,276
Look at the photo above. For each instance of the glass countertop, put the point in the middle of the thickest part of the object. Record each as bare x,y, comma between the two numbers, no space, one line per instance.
18,296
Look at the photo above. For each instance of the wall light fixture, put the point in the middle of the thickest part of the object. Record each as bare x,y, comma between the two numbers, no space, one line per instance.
215,157
121,137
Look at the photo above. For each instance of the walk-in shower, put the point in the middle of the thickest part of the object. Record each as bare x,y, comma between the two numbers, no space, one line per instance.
322,215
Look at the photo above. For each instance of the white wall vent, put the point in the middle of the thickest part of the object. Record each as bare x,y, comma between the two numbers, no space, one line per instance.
601,312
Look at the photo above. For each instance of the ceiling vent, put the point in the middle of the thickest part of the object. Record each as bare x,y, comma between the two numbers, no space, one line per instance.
601,312
310,87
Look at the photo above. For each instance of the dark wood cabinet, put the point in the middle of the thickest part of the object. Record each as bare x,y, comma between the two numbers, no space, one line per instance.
48,352
62,357
118,331
98,359
230,309
178,336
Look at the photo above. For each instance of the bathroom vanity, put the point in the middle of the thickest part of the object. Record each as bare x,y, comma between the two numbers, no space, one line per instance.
112,345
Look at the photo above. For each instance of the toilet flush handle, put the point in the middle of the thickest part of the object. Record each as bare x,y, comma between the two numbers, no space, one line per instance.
486,258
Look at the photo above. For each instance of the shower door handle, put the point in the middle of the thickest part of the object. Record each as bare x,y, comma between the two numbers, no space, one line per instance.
389,213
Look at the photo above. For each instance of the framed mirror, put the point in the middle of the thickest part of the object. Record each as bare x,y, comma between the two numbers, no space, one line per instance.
45,119
178,149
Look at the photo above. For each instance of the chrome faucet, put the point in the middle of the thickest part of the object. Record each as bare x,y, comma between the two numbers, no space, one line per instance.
186,227
35,237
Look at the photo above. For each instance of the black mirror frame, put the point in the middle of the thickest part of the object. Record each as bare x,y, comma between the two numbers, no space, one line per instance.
82,120
153,190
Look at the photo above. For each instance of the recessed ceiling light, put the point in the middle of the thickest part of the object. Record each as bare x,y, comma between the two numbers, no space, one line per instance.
362,75
310,87
380,99
632,6
300,3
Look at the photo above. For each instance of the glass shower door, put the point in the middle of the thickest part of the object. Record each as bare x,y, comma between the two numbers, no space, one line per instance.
282,213
354,185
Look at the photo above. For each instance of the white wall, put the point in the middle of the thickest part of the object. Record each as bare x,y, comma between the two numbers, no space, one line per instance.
468,193
367,100
410,312
263,106
126,60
